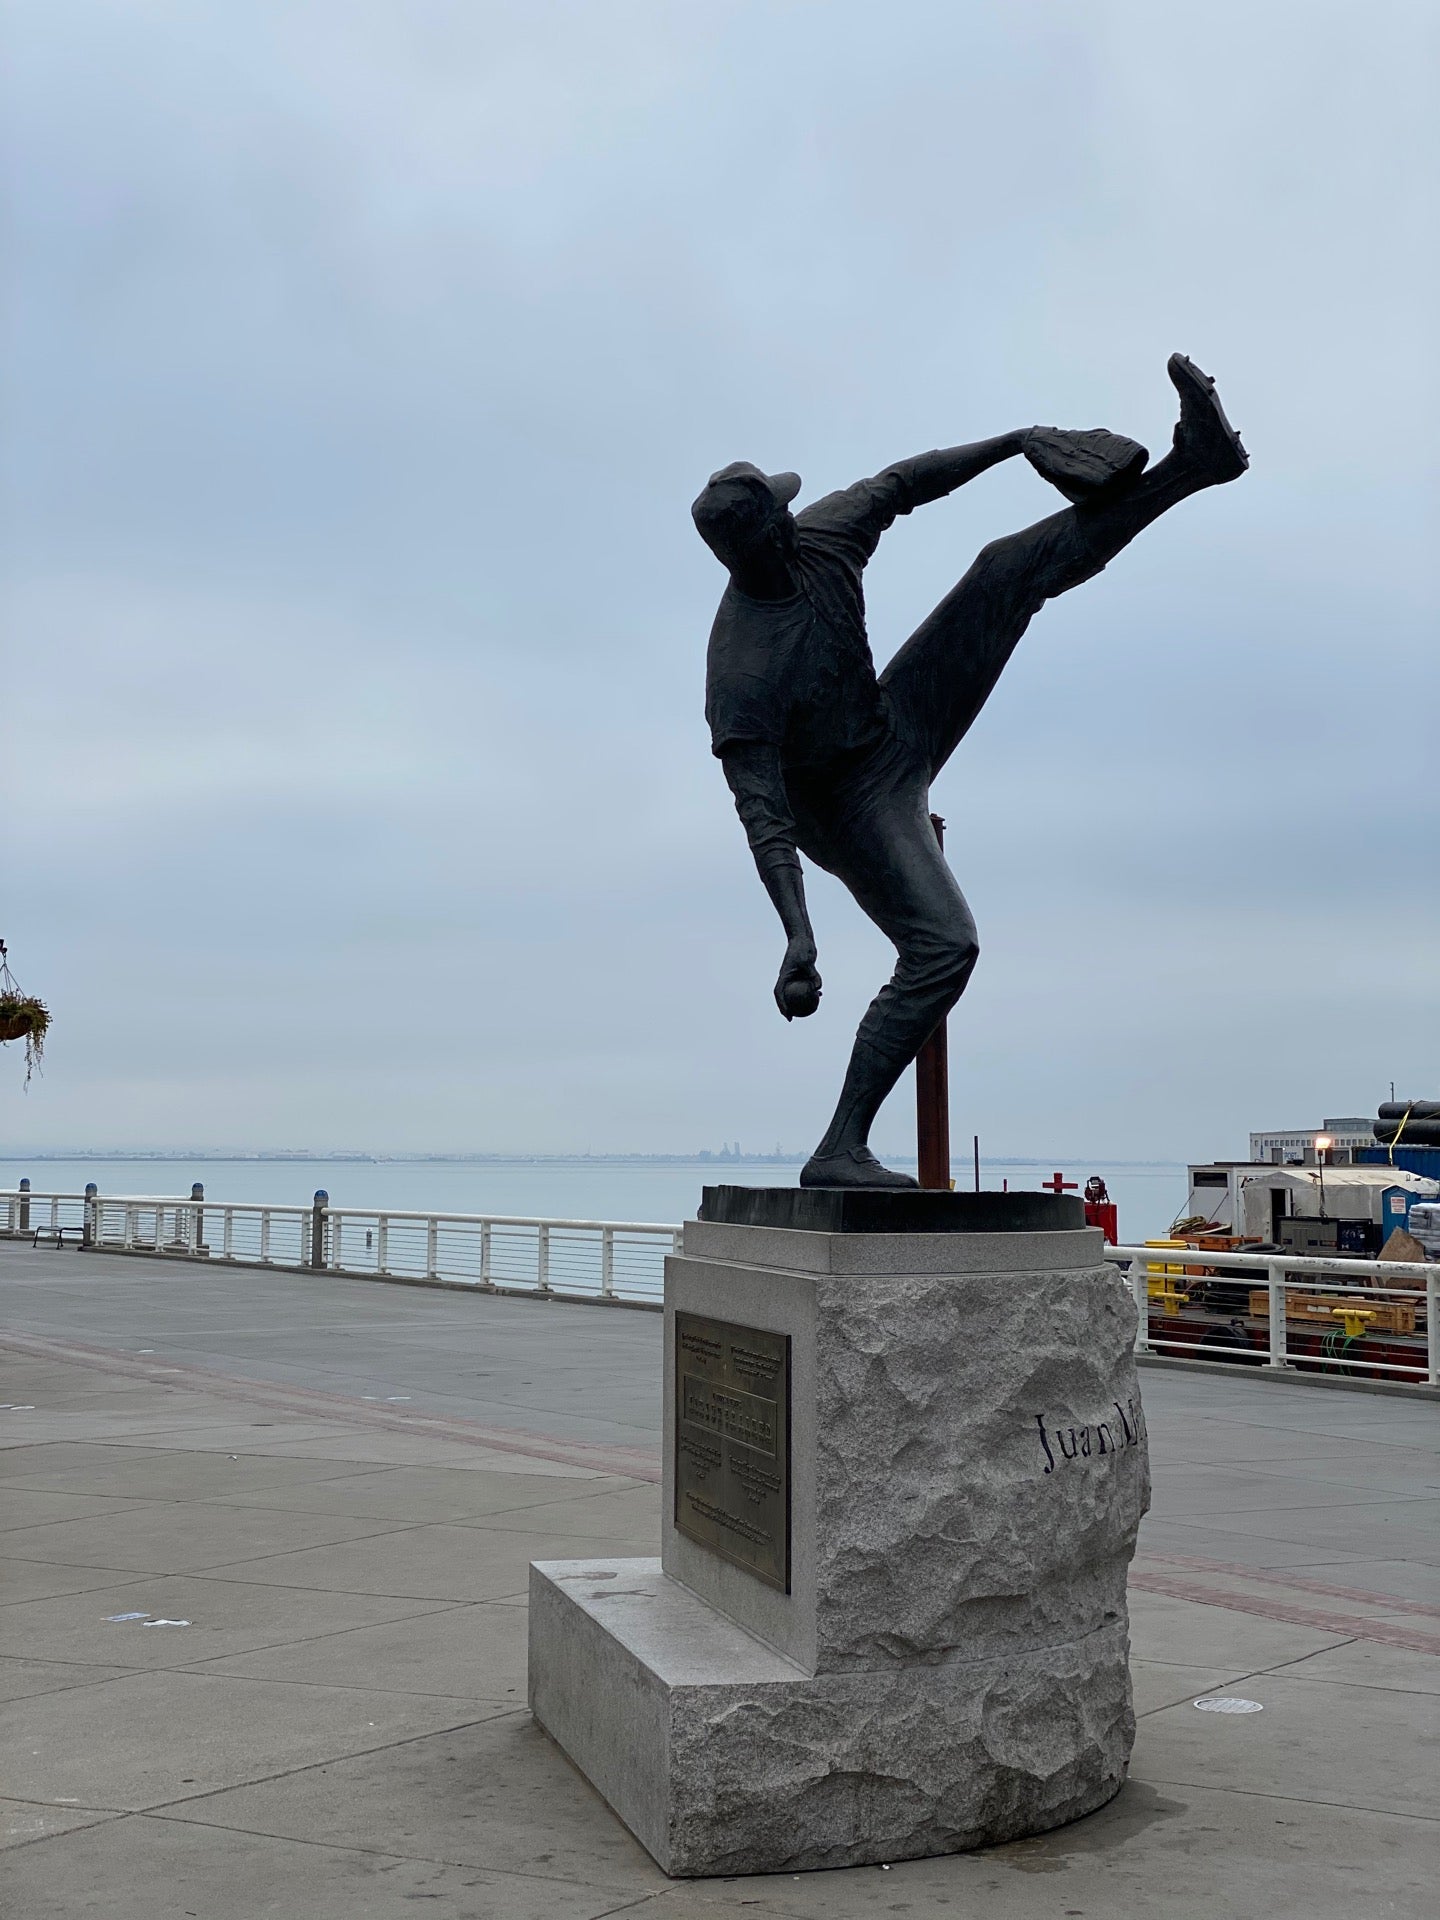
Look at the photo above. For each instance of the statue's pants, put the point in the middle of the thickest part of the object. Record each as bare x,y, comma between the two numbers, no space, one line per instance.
866,819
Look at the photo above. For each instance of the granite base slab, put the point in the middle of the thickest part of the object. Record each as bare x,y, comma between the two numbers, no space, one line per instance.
723,1757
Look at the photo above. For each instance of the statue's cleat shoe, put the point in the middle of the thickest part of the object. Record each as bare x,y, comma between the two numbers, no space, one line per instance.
854,1167
1204,438
1084,465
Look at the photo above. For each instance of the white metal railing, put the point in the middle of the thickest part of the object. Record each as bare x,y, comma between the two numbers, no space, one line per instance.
593,1259
624,1261
23,1213
617,1260
1350,1292
257,1236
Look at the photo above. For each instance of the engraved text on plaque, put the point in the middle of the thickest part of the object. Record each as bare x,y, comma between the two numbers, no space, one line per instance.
732,1443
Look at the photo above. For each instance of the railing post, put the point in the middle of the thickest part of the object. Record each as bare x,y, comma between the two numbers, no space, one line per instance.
485,1279
228,1230
317,1228
1139,1277
607,1262
1432,1337
542,1257
197,1216
382,1243
90,1219
1275,1283
432,1249
265,1236
25,1206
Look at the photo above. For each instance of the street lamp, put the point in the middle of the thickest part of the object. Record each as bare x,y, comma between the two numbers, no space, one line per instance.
1323,1144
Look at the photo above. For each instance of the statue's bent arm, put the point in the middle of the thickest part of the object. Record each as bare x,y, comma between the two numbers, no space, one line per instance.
756,778
865,510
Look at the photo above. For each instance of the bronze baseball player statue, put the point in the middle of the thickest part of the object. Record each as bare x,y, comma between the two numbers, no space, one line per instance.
828,759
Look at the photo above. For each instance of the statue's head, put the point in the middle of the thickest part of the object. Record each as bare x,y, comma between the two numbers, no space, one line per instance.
743,509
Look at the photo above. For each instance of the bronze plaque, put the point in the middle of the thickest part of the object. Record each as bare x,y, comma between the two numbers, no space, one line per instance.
732,1443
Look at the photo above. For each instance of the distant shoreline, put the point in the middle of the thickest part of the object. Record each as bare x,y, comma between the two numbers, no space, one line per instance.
711,1161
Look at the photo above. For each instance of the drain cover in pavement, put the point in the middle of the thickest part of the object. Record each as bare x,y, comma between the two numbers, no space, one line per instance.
1230,1703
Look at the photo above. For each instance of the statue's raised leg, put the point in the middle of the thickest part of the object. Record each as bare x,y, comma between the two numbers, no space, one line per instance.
944,673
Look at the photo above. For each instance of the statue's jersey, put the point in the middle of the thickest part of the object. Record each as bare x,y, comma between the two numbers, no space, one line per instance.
797,673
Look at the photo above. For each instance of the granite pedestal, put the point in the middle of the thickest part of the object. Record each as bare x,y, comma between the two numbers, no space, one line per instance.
903,1477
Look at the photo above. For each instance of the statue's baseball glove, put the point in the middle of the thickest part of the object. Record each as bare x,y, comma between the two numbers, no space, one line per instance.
1084,464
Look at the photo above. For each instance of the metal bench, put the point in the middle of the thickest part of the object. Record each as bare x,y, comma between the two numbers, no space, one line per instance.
75,1234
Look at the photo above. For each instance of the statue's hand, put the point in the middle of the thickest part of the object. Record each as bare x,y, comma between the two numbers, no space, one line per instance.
797,991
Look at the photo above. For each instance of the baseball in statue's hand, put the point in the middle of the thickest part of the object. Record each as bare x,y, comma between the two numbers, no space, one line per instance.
801,998
797,991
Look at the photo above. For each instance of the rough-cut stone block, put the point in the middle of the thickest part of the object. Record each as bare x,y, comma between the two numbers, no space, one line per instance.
723,1758
966,1473
935,1508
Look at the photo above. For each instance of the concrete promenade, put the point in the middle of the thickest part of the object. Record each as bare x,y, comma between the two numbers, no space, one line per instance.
262,1623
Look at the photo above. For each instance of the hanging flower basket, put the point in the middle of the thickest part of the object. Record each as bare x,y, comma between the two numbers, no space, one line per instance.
22,1017
19,1017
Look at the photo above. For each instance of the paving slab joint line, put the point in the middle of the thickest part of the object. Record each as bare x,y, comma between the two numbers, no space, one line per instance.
234,1576
309,1546
105,1818
1244,1679
1288,1799
388,1852
124,1577
200,1668
131,1505
107,1667
199,1671
56,1806
354,1846
425,1610
162,1808
661,1893
283,1553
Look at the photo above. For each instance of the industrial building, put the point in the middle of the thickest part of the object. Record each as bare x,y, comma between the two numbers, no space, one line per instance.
1297,1144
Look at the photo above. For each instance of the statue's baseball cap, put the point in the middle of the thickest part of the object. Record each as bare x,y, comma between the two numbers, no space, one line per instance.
742,498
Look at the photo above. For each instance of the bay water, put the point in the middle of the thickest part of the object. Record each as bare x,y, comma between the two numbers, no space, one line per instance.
1149,1196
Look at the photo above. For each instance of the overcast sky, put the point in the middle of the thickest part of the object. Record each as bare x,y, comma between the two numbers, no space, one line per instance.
361,359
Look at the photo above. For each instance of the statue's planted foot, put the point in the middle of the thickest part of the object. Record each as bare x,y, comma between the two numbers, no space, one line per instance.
851,1167
1204,438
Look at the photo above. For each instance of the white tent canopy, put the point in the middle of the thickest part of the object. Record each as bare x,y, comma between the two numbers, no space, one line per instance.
1351,1193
